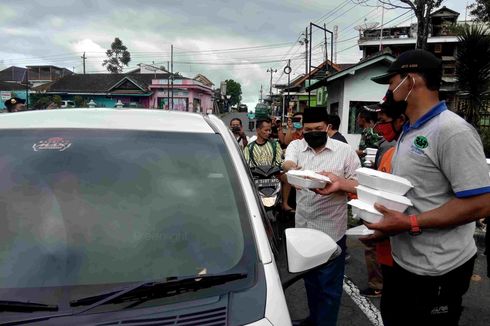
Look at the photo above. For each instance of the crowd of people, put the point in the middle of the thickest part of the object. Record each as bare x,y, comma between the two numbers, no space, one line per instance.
419,262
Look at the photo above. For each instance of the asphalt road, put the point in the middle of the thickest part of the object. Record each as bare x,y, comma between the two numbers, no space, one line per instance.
361,311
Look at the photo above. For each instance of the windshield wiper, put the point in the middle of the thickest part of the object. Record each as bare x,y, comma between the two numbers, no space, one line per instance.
150,290
21,306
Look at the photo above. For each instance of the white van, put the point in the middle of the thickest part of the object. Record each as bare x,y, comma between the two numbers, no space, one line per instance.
136,217
67,104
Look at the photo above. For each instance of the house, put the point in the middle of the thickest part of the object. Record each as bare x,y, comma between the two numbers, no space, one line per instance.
442,41
14,74
39,75
145,90
299,97
350,89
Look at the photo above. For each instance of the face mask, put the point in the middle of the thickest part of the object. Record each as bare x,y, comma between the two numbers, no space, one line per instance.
297,125
391,104
386,130
316,139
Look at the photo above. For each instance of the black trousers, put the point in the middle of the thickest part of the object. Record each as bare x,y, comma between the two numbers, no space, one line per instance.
411,299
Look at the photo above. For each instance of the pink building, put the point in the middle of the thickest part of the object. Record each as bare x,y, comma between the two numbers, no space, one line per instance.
188,95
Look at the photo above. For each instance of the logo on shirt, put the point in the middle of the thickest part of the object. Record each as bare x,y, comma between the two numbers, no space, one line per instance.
421,142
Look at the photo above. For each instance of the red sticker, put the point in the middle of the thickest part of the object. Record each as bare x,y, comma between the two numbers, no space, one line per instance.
53,144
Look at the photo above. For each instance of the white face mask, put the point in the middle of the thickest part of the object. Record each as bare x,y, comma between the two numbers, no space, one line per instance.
411,89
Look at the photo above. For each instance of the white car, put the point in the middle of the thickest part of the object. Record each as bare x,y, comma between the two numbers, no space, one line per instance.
136,217
67,104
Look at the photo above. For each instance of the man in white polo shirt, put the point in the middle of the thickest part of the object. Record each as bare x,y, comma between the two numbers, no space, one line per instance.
318,153
432,244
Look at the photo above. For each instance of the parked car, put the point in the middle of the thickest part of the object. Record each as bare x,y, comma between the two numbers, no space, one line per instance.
242,108
136,216
67,104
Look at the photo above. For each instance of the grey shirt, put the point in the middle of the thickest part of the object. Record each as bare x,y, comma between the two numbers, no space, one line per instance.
442,155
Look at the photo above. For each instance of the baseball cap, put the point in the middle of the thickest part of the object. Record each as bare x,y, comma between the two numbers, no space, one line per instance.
411,61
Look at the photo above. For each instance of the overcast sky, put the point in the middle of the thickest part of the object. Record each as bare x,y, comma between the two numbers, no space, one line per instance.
227,39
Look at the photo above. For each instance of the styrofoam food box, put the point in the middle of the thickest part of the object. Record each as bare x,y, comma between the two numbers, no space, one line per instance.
383,181
359,231
307,179
391,201
371,158
365,211
371,151
488,164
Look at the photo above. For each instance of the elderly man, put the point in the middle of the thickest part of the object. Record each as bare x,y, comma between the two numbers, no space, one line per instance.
328,213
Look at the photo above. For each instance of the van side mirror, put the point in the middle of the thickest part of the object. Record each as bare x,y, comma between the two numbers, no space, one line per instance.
307,249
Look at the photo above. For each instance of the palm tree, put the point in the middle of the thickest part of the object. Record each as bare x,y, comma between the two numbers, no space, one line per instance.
473,69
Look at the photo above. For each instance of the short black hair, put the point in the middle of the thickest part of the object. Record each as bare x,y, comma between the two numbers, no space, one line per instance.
260,122
369,116
236,119
334,120
432,79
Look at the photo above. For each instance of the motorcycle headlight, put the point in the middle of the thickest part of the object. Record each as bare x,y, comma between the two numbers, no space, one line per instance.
269,201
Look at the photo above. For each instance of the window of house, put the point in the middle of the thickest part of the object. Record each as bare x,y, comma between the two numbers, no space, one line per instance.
334,108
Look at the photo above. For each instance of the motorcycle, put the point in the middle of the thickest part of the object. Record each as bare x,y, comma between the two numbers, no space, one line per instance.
269,188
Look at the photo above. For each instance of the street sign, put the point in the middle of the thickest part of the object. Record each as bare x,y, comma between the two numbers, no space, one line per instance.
6,95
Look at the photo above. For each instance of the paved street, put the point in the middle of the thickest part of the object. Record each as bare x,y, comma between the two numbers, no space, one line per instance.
359,311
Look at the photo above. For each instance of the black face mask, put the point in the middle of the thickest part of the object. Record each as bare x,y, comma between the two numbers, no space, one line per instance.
316,139
391,104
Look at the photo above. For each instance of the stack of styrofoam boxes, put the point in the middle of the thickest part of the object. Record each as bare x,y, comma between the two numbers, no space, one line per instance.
382,188
370,156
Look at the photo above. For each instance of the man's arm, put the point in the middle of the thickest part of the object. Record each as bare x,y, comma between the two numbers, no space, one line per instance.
338,184
457,211
288,138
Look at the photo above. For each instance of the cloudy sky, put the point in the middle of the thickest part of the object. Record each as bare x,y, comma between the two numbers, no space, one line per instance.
222,39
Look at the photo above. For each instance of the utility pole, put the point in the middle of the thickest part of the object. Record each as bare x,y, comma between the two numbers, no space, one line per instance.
261,90
325,44
172,73
84,58
306,51
381,31
168,85
335,36
270,85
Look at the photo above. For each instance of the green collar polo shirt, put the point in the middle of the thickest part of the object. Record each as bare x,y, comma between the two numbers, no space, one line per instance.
442,155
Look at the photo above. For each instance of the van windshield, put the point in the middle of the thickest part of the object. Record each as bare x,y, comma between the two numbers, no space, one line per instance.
88,207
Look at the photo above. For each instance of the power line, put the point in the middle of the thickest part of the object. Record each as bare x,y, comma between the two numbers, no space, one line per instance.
333,12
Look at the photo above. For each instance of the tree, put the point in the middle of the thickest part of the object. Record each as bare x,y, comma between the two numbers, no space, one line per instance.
473,69
235,90
118,56
481,10
80,102
421,9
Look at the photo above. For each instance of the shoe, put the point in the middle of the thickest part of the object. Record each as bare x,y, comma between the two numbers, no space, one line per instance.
370,292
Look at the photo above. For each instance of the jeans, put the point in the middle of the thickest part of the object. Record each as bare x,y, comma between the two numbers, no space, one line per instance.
411,299
324,290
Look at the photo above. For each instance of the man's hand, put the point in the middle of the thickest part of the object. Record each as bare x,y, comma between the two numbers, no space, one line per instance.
377,236
290,123
330,188
393,222
338,184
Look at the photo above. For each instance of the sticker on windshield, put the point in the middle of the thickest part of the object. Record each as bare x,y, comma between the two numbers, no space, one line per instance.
52,144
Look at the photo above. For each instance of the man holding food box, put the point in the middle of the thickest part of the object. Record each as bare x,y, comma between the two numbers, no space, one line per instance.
441,157
316,152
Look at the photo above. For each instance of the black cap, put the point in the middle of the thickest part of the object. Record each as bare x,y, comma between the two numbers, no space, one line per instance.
372,107
14,100
312,115
411,61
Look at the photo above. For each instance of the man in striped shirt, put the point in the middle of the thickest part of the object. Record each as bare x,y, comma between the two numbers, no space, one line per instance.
327,213
263,151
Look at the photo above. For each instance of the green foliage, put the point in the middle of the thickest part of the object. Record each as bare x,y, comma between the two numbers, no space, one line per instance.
80,102
235,90
473,69
481,10
117,57
57,99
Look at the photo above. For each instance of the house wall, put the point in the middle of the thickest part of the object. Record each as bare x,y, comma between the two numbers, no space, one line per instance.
357,87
